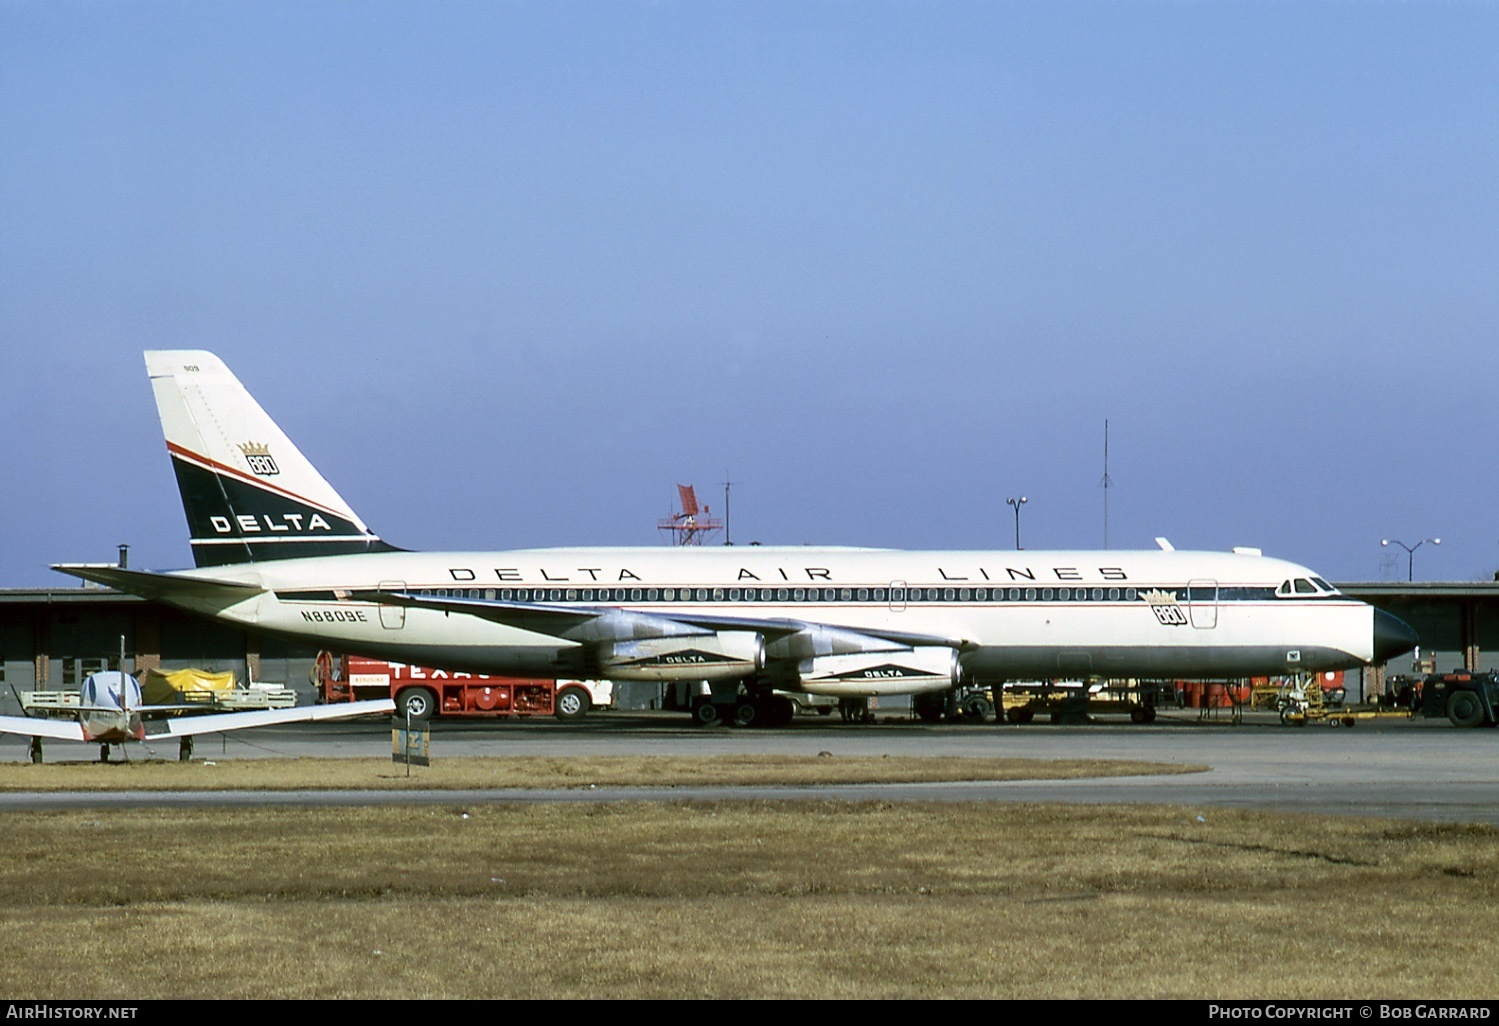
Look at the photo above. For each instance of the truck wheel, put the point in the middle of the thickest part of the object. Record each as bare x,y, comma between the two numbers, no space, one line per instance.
1464,709
417,704
571,704
977,709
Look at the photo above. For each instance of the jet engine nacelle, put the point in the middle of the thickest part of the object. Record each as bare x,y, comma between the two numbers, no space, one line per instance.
726,655
881,673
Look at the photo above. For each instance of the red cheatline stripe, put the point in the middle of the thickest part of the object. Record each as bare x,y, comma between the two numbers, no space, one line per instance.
253,539
235,472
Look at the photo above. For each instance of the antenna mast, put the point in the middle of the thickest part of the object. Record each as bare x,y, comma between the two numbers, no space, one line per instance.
726,484
1106,483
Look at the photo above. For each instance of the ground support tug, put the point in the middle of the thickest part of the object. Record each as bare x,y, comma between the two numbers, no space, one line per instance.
422,693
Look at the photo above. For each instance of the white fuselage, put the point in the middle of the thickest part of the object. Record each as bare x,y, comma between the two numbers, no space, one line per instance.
1009,615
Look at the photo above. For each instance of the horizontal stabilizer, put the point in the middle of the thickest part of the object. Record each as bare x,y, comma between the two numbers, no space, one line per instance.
158,586
67,730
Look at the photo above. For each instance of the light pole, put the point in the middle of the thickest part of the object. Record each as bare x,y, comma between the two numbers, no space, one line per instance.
1410,553
1016,504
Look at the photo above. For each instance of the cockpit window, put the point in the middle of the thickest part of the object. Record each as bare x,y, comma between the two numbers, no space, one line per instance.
1304,586
1319,582
1284,589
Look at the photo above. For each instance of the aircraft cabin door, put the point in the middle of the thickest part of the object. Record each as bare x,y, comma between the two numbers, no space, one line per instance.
1202,603
391,616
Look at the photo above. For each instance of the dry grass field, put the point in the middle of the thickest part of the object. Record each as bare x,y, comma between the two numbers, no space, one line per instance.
741,900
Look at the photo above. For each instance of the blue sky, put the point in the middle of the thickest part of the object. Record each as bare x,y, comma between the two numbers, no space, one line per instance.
508,272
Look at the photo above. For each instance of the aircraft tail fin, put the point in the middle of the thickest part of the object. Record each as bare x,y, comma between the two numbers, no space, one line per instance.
248,492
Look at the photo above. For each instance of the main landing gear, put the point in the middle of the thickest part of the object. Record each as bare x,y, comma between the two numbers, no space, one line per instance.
763,711
748,710
855,710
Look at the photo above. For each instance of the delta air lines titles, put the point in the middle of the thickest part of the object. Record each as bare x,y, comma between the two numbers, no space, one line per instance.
596,575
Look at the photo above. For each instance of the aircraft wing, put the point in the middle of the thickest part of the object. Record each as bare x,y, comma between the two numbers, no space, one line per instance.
213,723
37,726
596,623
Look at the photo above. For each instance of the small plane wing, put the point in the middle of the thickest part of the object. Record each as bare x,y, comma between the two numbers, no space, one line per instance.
180,726
39,726
589,623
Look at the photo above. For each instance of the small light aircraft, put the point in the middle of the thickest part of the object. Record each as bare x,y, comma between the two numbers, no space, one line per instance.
110,711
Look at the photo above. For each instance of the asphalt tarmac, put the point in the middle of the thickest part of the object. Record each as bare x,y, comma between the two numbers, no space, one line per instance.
1411,769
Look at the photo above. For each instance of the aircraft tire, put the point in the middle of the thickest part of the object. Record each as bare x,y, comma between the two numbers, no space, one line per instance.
705,714
782,712
571,704
748,714
855,710
416,703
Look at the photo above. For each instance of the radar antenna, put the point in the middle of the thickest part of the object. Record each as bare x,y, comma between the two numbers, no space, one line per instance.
692,524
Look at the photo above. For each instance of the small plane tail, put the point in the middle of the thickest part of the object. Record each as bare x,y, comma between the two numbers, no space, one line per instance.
248,492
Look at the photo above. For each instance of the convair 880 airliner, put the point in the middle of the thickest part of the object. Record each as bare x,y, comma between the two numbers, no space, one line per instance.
279,551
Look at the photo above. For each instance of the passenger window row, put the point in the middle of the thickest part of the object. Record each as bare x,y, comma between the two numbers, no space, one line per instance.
789,594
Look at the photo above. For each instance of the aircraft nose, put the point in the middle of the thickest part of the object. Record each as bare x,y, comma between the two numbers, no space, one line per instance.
1392,636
